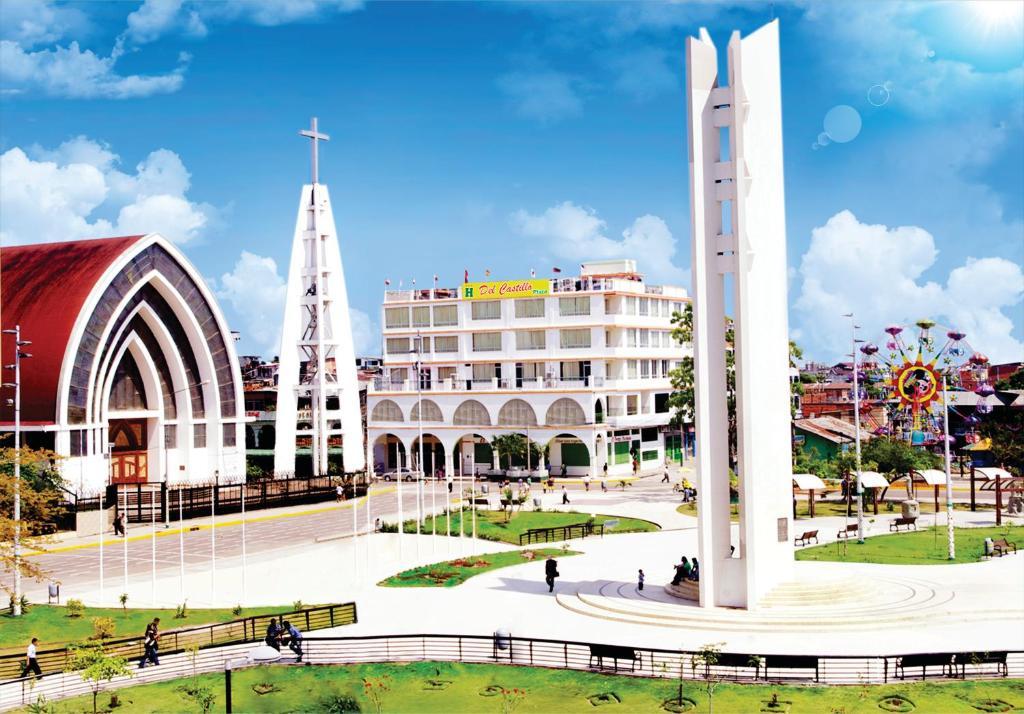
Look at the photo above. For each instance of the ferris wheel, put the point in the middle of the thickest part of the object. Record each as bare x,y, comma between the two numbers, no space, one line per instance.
914,368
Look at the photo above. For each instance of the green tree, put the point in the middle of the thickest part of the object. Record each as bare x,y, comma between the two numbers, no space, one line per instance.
1014,381
96,666
511,450
40,501
1005,428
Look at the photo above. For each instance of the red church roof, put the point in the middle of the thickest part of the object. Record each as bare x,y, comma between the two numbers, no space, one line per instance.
43,288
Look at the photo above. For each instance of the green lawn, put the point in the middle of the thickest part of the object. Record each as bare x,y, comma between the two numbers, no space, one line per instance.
690,509
456,572
51,624
446,688
491,525
926,546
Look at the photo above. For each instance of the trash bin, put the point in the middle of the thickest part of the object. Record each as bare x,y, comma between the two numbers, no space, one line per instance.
910,509
988,547
536,502
502,640
483,488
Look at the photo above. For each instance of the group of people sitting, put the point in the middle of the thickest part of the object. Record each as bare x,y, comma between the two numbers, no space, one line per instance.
686,570
686,488
285,633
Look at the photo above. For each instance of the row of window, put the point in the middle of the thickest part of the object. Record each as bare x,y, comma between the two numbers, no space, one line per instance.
572,306
515,412
79,438
636,337
487,342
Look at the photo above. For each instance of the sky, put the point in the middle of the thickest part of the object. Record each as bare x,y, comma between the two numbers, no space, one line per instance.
517,136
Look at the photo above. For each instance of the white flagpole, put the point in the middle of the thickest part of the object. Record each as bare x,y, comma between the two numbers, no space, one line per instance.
245,489
181,546
950,535
124,537
213,541
152,548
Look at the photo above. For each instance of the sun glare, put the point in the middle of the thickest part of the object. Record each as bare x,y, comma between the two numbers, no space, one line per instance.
998,16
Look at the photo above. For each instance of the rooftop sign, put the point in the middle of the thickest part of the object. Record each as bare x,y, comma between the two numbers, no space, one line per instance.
503,289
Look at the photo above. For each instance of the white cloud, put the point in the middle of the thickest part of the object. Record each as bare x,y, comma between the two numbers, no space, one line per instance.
255,292
152,19
76,73
75,191
878,273
645,73
31,22
544,96
577,234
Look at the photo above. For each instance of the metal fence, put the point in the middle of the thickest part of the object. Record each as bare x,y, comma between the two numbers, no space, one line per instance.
561,654
246,629
556,533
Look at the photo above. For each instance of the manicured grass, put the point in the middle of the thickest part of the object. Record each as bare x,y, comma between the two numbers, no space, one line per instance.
491,525
447,688
51,624
456,572
926,546
690,509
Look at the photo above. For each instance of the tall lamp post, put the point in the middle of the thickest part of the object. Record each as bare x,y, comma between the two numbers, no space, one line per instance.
419,419
16,403
856,425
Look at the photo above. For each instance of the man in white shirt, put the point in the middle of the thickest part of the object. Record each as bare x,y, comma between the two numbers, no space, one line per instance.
31,663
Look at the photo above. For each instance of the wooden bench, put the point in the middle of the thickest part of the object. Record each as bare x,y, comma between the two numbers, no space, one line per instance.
910,522
924,661
805,664
806,538
845,532
614,653
980,659
1003,546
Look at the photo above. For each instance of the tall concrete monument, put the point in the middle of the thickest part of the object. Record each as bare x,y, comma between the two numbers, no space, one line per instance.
739,243
317,369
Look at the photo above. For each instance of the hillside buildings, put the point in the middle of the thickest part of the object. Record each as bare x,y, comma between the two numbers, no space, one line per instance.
580,365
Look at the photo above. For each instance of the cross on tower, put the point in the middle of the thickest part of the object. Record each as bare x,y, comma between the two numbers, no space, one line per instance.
316,136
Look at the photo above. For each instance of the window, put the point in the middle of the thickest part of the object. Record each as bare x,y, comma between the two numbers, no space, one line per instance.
645,338
447,343
77,442
532,370
631,337
396,317
644,306
228,435
471,412
421,316
398,345
487,310
387,410
570,370
170,436
445,373
431,412
664,367
530,340
486,341
569,306
484,372
574,339
199,436
565,412
677,307
446,315
420,344
399,375
630,306
516,412
631,369
530,308
645,369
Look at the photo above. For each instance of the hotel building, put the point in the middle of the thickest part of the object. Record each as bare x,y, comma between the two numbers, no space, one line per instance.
579,365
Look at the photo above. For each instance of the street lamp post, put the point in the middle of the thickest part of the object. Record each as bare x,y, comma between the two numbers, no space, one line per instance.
856,426
949,476
419,419
16,367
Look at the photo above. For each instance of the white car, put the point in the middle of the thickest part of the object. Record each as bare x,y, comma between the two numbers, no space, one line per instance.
392,475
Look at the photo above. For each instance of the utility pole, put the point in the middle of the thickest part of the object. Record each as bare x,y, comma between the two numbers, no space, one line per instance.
16,403
856,426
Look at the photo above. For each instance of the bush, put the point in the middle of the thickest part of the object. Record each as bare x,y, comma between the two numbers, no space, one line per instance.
236,610
181,612
338,703
103,628
298,605
75,608
388,527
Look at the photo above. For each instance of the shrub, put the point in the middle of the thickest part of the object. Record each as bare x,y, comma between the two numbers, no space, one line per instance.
75,608
103,628
181,612
236,610
123,599
338,703
298,605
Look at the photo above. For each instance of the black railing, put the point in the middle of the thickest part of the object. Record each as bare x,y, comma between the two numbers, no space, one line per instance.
546,535
246,629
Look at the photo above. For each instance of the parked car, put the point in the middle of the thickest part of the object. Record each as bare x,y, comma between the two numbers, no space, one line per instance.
392,475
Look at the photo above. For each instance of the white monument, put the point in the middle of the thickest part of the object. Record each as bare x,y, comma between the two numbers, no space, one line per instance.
317,370
739,228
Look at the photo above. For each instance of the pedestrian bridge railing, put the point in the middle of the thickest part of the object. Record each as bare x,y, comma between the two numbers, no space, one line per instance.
246,629
555,654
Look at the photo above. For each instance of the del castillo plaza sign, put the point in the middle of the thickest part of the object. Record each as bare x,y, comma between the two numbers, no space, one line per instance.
503,289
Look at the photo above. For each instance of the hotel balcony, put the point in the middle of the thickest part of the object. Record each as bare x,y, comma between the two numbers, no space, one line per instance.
386,386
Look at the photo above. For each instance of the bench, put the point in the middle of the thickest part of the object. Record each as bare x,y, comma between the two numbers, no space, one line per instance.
806,663
924,661
845,532
482,501
614,653
978,659
806,538
910,522
1003,546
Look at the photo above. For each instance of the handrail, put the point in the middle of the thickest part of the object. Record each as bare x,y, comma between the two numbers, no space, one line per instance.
561,654
246,629
533,535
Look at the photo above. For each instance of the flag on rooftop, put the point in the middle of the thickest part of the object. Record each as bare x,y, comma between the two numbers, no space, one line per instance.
556,270
487,273
465,277
387,281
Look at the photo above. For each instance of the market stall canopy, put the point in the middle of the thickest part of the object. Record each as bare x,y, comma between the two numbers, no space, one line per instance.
873,479
933,477
808,482
991,472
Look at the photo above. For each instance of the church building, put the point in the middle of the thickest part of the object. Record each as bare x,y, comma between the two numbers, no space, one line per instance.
133,375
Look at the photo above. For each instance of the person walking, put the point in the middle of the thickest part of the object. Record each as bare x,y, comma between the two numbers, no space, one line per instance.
151,644
565,497
664,478
640,579
550,573
340,491
604,486
586,483
604,470
119,524
294,638
273,638
31,662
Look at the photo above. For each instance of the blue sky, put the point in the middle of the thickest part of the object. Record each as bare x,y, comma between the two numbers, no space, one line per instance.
515,136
